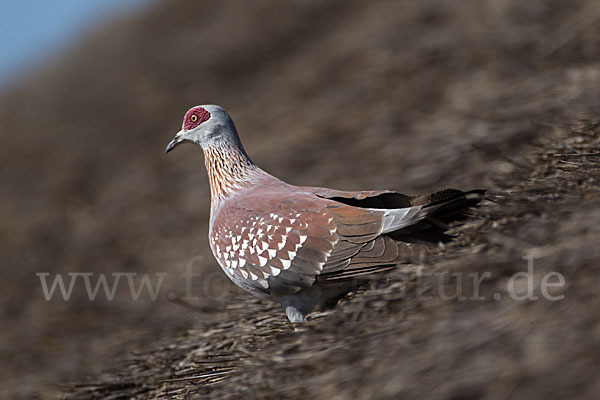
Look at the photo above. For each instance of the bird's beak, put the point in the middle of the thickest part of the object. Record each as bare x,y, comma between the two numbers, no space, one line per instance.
176,140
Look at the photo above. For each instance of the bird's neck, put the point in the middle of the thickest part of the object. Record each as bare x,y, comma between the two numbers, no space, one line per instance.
229,170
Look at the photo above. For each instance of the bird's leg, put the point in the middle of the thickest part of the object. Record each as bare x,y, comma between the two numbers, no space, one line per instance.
297,306
294,315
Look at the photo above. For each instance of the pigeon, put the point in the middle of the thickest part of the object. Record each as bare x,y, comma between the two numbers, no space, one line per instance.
306,247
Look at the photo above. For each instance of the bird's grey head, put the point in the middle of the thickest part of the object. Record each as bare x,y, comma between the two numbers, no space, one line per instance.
206,126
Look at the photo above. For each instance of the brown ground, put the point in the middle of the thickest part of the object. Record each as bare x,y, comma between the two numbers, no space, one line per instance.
406,95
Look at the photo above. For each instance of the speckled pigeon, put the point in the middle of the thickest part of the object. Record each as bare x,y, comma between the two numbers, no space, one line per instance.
304,246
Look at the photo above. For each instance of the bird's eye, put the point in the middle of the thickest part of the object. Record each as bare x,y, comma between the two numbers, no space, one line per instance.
194,118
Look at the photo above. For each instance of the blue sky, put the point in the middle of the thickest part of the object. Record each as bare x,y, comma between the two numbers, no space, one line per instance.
31,30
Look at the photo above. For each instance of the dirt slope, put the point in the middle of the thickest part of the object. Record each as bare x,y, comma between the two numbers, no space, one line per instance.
412,96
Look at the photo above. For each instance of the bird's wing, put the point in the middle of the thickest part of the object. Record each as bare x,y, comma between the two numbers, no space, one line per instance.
280,244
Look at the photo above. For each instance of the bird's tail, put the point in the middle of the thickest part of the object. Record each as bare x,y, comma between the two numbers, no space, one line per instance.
435,212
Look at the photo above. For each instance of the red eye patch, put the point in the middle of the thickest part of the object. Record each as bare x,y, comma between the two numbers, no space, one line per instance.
195,117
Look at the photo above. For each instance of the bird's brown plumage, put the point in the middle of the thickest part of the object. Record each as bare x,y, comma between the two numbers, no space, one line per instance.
279,239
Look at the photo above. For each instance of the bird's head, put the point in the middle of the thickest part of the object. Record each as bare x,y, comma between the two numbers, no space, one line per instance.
206,126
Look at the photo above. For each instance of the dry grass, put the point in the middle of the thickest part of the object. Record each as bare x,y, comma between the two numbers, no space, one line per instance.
399,338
